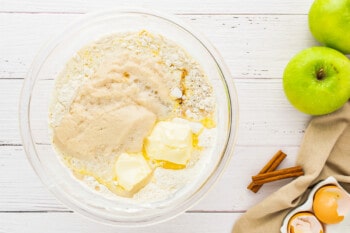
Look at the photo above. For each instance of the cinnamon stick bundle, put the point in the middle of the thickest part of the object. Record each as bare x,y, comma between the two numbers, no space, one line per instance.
270,166
269,173
278,175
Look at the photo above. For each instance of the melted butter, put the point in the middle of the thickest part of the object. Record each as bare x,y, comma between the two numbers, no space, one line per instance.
169,165
195,141
161,163
112,184
208,122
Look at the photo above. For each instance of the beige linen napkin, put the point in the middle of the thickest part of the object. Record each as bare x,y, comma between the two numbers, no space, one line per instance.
325,151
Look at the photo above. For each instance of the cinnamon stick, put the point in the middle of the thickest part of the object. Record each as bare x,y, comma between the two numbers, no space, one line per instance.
270,166
278,175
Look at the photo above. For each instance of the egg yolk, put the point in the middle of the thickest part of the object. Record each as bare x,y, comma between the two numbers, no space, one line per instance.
325,204
304,222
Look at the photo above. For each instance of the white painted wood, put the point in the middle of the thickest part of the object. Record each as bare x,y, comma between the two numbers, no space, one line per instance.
255,37
263,110
21,190
9,100
253,46
73,223
179,6
240,46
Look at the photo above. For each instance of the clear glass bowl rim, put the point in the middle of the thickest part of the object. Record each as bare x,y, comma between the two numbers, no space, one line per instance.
32,156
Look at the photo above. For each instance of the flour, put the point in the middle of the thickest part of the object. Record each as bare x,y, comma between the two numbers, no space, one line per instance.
188,88
165,182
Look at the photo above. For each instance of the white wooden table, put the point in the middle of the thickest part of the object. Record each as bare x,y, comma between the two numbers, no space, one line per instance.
255,37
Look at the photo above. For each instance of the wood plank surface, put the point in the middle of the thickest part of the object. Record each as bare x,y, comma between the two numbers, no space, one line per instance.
21,190
253,46
72,223
263,110
179,6
256,38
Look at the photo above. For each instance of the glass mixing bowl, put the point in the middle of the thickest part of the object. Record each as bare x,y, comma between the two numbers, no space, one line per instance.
35,100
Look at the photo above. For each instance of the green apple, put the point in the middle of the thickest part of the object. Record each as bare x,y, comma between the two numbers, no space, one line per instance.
329,22
317,80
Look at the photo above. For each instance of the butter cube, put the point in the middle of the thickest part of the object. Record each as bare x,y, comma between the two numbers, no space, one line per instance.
132,171
171,142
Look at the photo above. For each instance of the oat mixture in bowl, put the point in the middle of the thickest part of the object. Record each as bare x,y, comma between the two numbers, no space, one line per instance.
132,98
142,117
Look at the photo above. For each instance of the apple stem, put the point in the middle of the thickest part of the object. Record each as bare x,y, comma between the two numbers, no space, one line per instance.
320,74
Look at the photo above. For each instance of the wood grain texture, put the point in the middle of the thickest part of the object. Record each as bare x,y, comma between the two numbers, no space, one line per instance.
21,190
9,101
253,46
249,53
179,6
70,222
256,39
263,110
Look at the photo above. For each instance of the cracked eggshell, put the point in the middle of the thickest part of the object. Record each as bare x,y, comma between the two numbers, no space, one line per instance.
343,226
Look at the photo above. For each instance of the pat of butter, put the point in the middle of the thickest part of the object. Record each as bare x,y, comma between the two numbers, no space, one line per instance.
170,141
132,171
